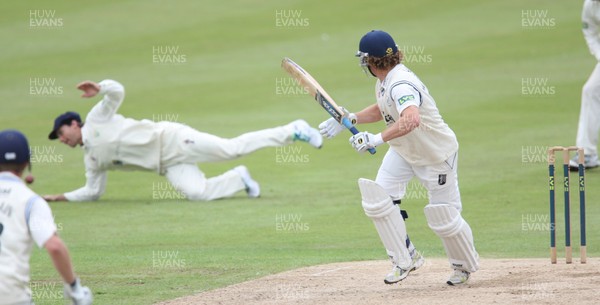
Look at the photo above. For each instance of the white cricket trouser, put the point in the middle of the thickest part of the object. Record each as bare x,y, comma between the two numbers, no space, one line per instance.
441,180
589,117
183,148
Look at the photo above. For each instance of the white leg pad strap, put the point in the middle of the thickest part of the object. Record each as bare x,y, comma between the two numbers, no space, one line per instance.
387,220
456,235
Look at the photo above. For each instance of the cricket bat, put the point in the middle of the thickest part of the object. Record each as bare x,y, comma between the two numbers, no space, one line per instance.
313,88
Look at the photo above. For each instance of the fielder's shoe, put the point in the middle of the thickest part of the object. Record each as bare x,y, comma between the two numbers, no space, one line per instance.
458,277
252,187
590,161
303,132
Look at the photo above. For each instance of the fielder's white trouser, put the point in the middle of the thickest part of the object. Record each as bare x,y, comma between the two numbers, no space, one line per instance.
184,147
441,182
589,116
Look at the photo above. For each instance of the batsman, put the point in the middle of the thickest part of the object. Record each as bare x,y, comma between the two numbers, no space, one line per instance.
422,145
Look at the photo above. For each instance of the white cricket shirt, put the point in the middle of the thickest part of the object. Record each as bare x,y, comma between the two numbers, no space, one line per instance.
113,142
25,219
433,141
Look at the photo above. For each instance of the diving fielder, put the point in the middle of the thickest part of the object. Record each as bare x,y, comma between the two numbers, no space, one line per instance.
589,117
113,142
25,220
421,145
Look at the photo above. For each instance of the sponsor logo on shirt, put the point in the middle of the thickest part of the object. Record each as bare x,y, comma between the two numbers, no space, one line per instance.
405,99
388,119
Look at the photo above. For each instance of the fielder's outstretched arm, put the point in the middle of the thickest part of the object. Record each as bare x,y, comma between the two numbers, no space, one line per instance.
113,92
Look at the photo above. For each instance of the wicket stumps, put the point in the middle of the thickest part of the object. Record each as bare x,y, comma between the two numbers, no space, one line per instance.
581,169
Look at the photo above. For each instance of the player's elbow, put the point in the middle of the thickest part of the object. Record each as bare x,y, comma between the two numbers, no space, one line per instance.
414,122
54,246
95,196
92,196
409,123
113,89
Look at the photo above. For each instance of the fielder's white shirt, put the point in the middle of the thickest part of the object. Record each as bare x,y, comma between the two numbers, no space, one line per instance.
591,26
113,142
25,219
433,141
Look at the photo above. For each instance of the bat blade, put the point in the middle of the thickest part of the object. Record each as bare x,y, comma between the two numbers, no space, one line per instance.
313,87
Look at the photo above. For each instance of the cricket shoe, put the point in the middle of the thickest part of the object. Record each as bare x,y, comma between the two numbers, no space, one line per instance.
417,260
303,132
252,187
399,273
590,161
458,277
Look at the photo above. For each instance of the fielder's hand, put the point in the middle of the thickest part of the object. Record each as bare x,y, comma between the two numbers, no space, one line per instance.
363,141
89,88
58,197
80,295
331,128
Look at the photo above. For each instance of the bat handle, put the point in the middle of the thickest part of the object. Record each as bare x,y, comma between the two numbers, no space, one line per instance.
353,129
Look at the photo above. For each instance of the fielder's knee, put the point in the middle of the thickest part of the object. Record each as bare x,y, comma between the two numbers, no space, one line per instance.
196,194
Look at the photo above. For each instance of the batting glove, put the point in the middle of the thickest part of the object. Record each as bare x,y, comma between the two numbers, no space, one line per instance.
363,141
80,295
331,128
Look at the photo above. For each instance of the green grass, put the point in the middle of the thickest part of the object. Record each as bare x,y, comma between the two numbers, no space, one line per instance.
479,51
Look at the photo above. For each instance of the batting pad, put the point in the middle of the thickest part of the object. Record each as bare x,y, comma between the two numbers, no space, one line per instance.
456,235
387,219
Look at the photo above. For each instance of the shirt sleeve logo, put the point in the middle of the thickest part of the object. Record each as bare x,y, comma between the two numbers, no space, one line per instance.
405,99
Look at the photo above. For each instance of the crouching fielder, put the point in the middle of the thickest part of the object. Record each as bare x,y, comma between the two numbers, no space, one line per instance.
422,146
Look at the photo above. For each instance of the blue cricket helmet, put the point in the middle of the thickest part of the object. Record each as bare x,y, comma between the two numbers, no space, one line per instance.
377,44
14,147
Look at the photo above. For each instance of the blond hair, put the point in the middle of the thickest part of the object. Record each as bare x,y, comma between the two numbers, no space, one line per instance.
386,62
